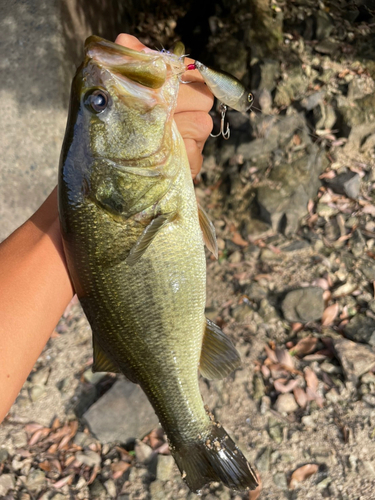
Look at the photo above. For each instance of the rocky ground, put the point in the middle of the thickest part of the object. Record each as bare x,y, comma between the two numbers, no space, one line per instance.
292,198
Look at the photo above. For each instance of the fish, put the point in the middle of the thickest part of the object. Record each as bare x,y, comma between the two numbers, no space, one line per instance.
133,237
225,87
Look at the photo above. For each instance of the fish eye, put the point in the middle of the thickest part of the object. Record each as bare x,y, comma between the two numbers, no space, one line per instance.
250,97
97,100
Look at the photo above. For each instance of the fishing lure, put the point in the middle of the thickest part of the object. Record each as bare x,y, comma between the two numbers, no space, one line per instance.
227,89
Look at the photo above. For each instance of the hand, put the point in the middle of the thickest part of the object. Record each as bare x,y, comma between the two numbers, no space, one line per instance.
191,114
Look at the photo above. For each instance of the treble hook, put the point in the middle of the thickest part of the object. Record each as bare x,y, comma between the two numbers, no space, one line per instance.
225,134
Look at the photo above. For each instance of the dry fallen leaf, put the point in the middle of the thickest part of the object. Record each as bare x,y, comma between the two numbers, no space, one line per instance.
300,396
238,240
330,314
311,379
284,357
283,387
304,346
302,473
119,468
271,354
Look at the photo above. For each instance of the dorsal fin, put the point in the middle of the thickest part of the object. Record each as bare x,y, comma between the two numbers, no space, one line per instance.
219,357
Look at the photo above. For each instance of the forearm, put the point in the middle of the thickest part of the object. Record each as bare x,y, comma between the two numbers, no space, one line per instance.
34,290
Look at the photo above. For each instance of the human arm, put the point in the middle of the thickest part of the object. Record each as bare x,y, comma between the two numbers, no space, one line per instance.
35,287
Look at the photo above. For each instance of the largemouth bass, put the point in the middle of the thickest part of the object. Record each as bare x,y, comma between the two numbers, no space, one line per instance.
133,241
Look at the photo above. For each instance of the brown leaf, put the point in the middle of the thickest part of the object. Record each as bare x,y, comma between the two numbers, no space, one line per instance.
46,466
69,460
300,396
302,473
94,473
238,240
31,428
119,468
52,449
330,314
313,396
284,357
285,387
265,371
304,346
311,379
64,442
271,354
62,482
55,424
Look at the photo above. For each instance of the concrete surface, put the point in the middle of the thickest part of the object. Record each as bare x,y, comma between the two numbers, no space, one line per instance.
40,46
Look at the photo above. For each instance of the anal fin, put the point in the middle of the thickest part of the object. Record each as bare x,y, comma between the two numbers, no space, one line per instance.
102,363
219,357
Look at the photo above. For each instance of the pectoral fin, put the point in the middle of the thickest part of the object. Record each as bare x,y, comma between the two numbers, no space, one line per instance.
219,357
146,238
102,363
208,230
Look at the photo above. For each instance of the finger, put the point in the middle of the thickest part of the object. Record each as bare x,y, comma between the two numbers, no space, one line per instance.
130,41
194,154
195,125
194,94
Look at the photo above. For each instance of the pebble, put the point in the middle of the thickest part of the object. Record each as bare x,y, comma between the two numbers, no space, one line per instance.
280,480
360,328
36,392
128,400
286,403
264,459
157,490
165,468
323,484
356,359
142,451
110,486
36,480
303,305
3,455
6,483
93,378
97,490
89,458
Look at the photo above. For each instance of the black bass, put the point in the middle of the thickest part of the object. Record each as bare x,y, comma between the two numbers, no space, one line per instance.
132,236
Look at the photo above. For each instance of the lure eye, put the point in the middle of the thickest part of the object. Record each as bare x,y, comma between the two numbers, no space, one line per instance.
97,100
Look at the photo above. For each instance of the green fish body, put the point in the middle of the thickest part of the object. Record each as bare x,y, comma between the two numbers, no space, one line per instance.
132,236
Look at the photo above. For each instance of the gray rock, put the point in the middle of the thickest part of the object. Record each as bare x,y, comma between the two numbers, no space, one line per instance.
357,243
327,47
264,460
123,413
165,467
284,201
324,25
110,486
286,403
280,480
6,483
360,328
89,458
368,269
312,100
3,455
356,359
157,490
303,305
347,183
36,480
97,490
36,392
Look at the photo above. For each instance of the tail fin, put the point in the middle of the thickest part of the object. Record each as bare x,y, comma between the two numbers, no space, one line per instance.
214,458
